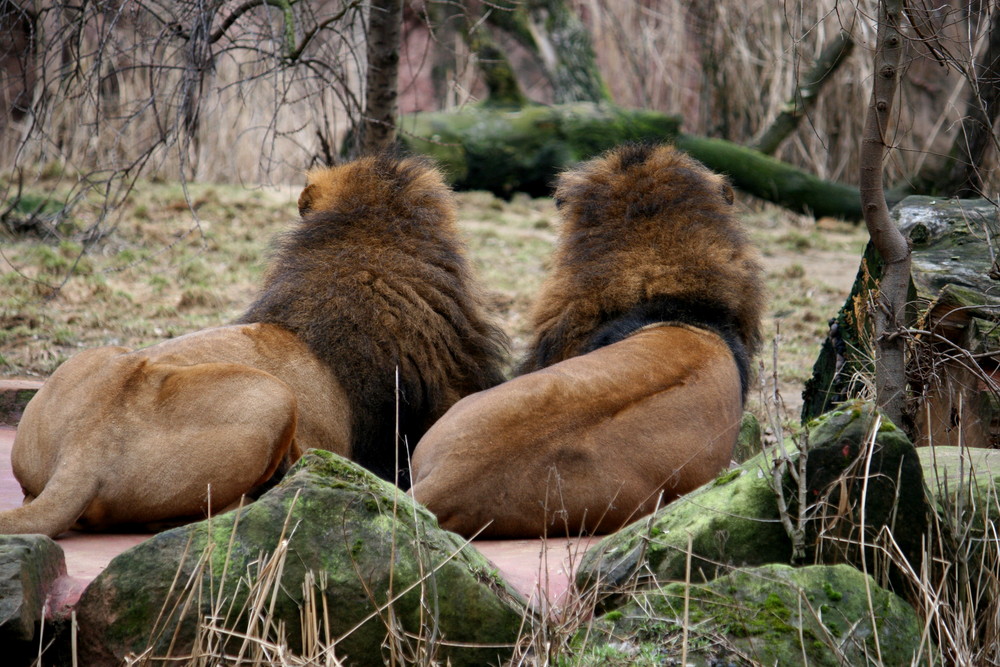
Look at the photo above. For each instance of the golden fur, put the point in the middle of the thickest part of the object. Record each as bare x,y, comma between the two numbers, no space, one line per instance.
373,280
633,386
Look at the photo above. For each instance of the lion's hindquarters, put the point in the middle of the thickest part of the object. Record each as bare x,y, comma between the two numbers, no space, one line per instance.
199,433
587,444
113,438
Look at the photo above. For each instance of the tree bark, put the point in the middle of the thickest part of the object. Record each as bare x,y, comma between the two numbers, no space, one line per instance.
890,298
385,21
553,32
806,93
976,135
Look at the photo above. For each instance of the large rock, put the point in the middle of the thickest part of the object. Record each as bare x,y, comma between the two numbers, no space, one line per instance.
959,476
963,486
332,551
771,615
29,566
841,470
734,521
14,395
952,293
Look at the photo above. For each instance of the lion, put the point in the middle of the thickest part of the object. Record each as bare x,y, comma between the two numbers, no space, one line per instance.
632,390
368,327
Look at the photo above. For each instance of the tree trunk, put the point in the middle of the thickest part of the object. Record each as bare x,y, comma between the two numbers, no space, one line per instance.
483,148
890,299
498,74
378,130
976,135
553,32
806,93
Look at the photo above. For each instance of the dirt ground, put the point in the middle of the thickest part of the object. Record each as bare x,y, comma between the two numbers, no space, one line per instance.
160,268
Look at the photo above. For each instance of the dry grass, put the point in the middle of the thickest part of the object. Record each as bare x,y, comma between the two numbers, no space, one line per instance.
728,68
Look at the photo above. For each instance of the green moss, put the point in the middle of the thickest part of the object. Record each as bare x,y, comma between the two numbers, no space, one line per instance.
349,533
763,612
727,477
774,605
831,593
504,151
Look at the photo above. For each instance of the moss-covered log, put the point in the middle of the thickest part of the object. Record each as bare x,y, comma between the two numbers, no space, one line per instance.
776,181
521,150
508,151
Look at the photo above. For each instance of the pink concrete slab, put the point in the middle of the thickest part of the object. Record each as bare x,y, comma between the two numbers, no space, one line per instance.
18,384
87,554
540,570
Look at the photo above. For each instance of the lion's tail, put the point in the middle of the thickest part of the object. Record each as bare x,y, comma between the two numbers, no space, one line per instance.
66,495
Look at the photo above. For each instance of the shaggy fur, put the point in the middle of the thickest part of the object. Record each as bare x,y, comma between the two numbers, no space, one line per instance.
375,282
633,388
648,236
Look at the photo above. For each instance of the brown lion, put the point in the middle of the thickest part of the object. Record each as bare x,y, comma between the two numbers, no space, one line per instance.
633,386
369,304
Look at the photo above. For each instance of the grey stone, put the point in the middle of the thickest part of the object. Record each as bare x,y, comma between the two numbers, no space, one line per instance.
29,565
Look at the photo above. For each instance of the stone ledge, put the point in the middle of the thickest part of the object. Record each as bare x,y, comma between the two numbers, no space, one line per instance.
14,395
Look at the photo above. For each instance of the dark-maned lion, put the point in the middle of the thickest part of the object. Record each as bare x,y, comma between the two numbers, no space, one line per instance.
633,386
368,304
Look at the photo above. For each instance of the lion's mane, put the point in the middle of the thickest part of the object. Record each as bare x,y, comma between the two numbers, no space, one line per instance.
649,235
375,281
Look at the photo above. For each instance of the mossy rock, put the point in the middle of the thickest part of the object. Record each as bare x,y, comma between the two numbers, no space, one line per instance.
841,471
951,263
963,482
735,522
750,440
771,615
14,395
732,521
330,527
29,566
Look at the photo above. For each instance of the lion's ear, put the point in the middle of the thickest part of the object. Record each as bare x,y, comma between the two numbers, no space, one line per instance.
306,199
728,194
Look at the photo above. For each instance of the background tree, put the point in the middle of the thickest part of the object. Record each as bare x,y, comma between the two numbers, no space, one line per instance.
378,130
890,299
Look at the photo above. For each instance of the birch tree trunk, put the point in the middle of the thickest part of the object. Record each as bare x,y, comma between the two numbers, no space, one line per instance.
890,297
